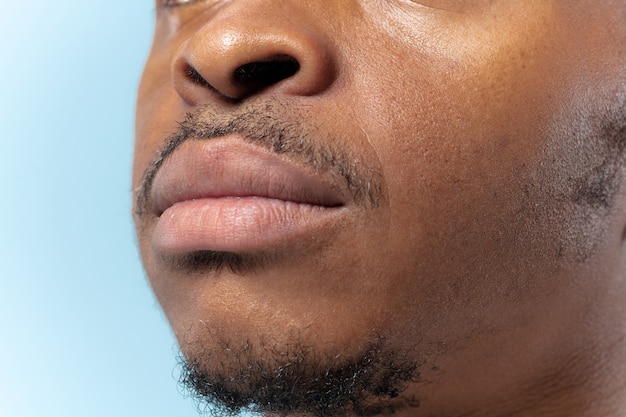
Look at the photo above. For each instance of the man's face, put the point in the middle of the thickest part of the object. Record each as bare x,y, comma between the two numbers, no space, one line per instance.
417,176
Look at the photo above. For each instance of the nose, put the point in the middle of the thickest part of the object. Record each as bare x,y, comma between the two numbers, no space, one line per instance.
242,51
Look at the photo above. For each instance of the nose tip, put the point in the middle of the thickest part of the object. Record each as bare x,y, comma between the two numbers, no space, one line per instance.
235,63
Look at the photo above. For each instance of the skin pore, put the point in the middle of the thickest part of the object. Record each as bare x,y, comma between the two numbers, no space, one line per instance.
367,207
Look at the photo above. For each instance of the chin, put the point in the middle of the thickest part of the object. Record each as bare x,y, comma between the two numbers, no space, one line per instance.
295,375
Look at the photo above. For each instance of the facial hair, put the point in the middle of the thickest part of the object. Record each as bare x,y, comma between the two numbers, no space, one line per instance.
264,125
293,378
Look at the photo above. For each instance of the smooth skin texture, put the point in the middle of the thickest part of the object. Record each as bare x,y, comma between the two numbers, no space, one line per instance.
494,249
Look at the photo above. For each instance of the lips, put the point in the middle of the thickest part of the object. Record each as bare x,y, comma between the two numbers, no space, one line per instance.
228,195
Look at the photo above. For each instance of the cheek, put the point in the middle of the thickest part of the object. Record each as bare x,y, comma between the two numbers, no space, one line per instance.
464,147
454,157
460,125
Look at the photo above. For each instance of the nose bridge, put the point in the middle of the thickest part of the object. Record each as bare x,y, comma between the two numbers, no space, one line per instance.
253,46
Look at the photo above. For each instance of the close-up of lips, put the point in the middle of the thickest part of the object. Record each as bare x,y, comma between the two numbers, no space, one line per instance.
246,185
228,197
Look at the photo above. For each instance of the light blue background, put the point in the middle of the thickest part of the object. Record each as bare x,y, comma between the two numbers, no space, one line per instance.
81,334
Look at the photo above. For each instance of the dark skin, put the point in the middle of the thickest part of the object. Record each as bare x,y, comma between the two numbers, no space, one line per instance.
445,176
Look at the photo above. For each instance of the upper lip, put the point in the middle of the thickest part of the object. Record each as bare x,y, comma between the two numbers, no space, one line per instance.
232,168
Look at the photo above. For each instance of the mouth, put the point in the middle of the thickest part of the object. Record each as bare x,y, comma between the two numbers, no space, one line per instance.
230,196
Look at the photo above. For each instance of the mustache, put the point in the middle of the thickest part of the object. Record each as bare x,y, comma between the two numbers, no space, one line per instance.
262,126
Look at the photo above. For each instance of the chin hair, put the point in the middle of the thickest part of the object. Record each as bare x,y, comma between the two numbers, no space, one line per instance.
209,262
293,378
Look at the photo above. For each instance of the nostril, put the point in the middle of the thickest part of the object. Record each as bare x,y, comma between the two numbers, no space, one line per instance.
245,80
260,74
195,77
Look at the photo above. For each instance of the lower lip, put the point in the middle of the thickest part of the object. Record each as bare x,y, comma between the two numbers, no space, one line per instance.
237,224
